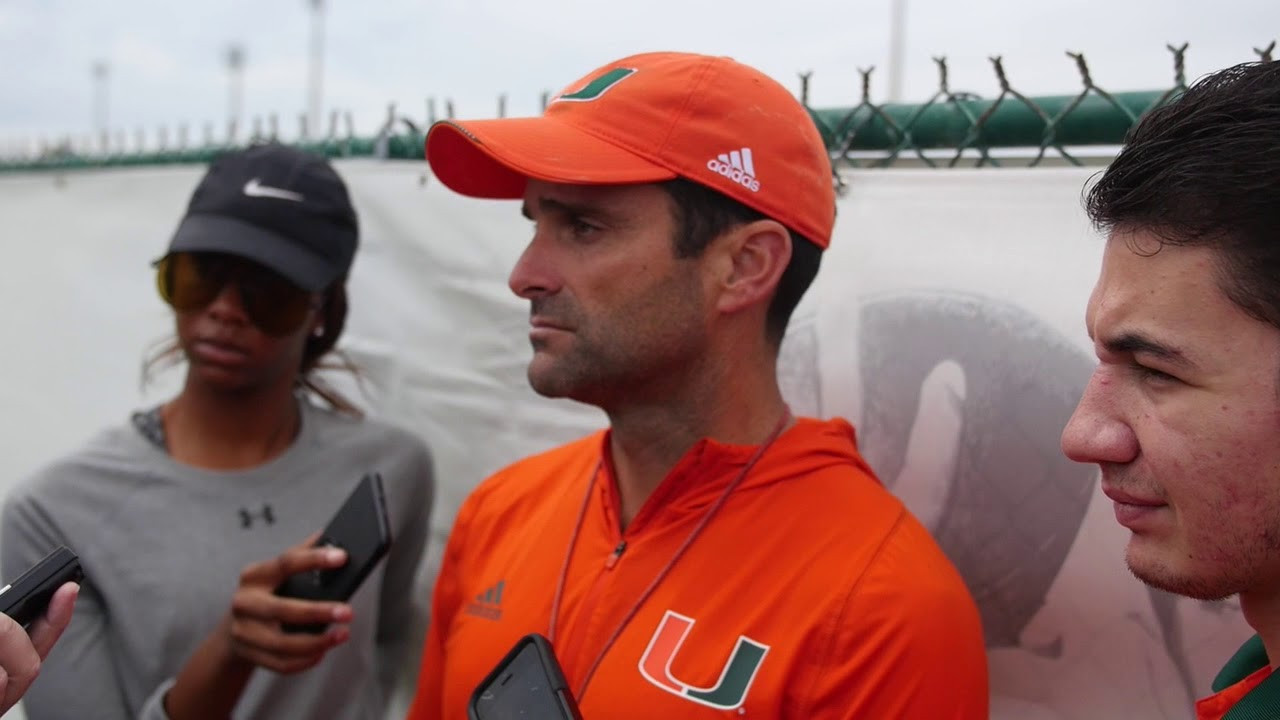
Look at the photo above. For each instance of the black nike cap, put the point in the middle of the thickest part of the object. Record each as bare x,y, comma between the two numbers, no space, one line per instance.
277,206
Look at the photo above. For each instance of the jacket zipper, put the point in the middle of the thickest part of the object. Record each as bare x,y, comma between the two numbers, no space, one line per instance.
615,556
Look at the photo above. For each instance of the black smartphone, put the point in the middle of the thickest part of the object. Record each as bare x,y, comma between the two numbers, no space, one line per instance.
527,684
362,529
26,598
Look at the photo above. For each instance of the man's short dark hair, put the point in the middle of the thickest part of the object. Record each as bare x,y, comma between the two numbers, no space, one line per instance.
1205,170
702,214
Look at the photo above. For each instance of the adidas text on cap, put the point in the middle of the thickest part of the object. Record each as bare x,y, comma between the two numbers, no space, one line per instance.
650,118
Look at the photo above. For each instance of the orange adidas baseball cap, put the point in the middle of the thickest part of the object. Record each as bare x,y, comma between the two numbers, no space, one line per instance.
649,118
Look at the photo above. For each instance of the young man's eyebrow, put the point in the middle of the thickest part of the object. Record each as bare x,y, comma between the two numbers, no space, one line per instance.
1133,343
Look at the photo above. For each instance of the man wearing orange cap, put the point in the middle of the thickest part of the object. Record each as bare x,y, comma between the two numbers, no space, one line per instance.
708,554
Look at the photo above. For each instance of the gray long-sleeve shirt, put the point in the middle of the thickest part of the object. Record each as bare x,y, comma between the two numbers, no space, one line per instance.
162,545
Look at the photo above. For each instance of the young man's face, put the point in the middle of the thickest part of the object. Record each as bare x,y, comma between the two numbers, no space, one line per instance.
613,312
1183,417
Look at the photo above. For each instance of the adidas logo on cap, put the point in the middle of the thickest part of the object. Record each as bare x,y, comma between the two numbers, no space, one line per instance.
738,167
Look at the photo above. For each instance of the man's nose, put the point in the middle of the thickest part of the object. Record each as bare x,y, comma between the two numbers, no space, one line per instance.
1099,430
534,274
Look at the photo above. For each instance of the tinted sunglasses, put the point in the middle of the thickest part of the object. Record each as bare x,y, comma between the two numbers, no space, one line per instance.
191,280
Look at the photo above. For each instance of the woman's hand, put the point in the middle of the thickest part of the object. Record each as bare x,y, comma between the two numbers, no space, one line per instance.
258,615
252,635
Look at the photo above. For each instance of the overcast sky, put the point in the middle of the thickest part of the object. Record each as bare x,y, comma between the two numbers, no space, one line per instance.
167,59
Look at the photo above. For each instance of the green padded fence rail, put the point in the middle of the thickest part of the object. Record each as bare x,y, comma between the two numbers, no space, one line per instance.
944,130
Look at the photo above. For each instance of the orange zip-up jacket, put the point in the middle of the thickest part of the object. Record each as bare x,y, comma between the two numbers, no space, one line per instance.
812,594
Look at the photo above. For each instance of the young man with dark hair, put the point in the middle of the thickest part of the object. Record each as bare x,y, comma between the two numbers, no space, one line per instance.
1183,412
708,554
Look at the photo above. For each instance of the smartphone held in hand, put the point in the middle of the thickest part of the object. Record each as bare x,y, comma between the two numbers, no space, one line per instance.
362,529
26,598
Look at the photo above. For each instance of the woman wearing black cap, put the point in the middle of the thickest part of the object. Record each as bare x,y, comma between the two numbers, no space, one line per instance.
190,515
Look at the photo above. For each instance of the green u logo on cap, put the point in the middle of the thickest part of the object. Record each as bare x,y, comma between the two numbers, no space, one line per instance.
598,86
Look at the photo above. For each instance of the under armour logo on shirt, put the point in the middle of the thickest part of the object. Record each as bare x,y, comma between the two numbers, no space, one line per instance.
266,514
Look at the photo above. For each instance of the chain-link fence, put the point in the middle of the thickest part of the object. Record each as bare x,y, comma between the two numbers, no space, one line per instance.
949,129
953,128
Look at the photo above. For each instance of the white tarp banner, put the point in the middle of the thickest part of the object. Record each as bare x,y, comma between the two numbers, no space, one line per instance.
946,323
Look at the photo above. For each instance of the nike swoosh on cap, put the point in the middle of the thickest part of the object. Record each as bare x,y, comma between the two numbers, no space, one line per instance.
255,188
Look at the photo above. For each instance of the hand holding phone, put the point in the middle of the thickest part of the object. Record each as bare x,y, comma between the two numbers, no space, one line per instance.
21,653
25,601
362,529
305,589
527,684
25,598
257,614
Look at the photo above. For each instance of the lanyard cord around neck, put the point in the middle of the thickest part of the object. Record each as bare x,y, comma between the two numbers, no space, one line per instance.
653,585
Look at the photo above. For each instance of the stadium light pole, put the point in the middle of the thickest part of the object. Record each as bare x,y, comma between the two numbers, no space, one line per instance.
316,80
235,97
897,41
101,74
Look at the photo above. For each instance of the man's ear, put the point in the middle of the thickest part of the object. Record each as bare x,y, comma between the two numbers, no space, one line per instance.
755,255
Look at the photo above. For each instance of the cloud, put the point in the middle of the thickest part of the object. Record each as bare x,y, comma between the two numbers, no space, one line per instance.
144,60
